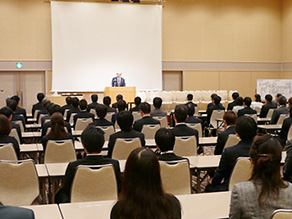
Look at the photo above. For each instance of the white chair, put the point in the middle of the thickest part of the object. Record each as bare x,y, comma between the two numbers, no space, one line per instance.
7,152
282,214
49,129
241,172
176,177
231,141
270,113
65,114
40,118
163,121
197,126
19,183
254,116
282,118
94,183
13,133
123,147
150,130
35,114
215,117
82,123
258,109
108,130
109,115
19,122
136,115
289,135
71,119
60,151
185,146
93,111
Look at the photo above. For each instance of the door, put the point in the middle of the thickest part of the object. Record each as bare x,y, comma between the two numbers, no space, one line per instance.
172,80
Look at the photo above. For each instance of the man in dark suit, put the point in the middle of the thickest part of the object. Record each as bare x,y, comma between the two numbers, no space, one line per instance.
74,109
212,102
232,104
146,119
165,139
157,102
269,105
216,106
118,81
45,103
191,118
94,103
125,121
246,128
101,111
19,110
39,105
118,98
285,129
15,117
247,109
190,100
137,102
92,140
229,120
282,109
122,106
107,102
68,105
12,212
83,114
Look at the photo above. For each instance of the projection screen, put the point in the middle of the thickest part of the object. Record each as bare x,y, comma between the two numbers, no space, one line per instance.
93,41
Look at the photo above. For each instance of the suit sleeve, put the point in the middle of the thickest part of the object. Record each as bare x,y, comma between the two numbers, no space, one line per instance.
235,210
19,135
118,174
111,144
262,113
136,127
274,118
287,170
143,140
221,170
220,145
16,148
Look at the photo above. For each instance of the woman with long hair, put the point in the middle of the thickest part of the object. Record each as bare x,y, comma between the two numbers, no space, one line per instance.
142,195
265,191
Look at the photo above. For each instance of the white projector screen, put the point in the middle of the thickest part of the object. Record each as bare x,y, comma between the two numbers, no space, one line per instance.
91,42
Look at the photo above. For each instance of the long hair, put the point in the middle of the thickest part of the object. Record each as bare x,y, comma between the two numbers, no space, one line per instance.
57,128
142,195
5,126
266,154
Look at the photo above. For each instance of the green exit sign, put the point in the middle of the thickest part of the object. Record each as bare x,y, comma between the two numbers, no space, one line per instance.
18,64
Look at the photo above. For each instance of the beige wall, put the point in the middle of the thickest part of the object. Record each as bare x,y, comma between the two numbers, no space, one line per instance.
287,30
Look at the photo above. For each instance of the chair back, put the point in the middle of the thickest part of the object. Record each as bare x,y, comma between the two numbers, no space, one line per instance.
65,113
282,214
109,115
176,177
163,121
7,152
136,115
185,146
19,122
60,151
197,126
270,113
49,129
241,172
150,130
123,147
196,110
258,109
289,136
40,118
108,130
231,141
254,116
216,115
13,133
94,183
71,119
282,118
35,114
82,123
19,183
93,111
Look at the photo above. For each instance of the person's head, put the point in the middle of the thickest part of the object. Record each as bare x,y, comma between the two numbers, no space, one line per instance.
101,111
282,101
7,112
247,101
290,102
212,97
94,98
266,154
157,102
229,118
40,97
12,104
121,105
92,139
164,139
145,108
57,127
181,113
8,99
190,97
257,98
217,100
235,95
83,104
239,101
107,100
45,102
119,97
119,74
68,100
137,101
16,98
277,97
75,102
290,111
191,109
246,128
5,126
268,98
53,108
125,120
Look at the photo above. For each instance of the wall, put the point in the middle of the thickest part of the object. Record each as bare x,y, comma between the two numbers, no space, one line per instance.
287,31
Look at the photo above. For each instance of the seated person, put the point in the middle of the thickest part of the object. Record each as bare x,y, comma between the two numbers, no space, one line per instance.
246,129
265,192
229,120
68,105
142,179
82,114
74,109
5,128
12,212
285,129
125,121
277,99
246,109
45,103
190,100
191,118
287,169
38,106
15,117
58,131
282,109
257,103
122,106
101,111
19,110
238,105
46,116
92,140
216,106
118,98
107,102
94,103
137,102
212,102
233,103
157,102
146,119
269,105
165,139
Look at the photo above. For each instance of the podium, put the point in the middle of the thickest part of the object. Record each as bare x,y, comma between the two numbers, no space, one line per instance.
129,93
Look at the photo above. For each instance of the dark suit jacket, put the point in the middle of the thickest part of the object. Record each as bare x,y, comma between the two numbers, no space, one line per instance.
145,120
65,192
9,139
228,160
101,122
136,108
124,134
158,112
231,105
37,106
278,112
287,169
110,109
93,105
72,110
284,130
44,118
115,82
83,115
195,105
184,130
16,126
222,138
170,157
265,109
43,111
48,124
12,212
45,140
66,107
21,111
246,110
211,109
194,120
16,117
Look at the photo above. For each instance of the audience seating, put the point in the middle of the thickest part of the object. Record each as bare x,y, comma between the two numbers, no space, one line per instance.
231,141
60,151
136,115
108,130
93,111
7,152
123,147
71,119
13,133
282,118
150,130
82,123
109,115
40,118
65,113
270,113
289,135
185,146
35,114
282,214
19,122
254,116
215,117
163,121
197,126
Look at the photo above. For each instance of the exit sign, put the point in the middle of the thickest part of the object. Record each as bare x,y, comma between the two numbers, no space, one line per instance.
18,64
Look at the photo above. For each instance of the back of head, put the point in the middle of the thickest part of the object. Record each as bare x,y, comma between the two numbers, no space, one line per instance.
290,101
125,120
213,95
247,101
12,104
94,98
165,139
246,128
92,139
16,98
107,100
282,101
217,100
145,107
278,95
40,97
137,101
57,120
157,102
257,98
6,111
189,97
57,130
68,100
53,108
181,113
230,117
269,98
5,126
119,97
191,109
239,101
121,105
83,104
45,102
101,111
75,101
235,95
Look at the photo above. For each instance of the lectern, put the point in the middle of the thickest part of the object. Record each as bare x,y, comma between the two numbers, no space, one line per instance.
129,93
